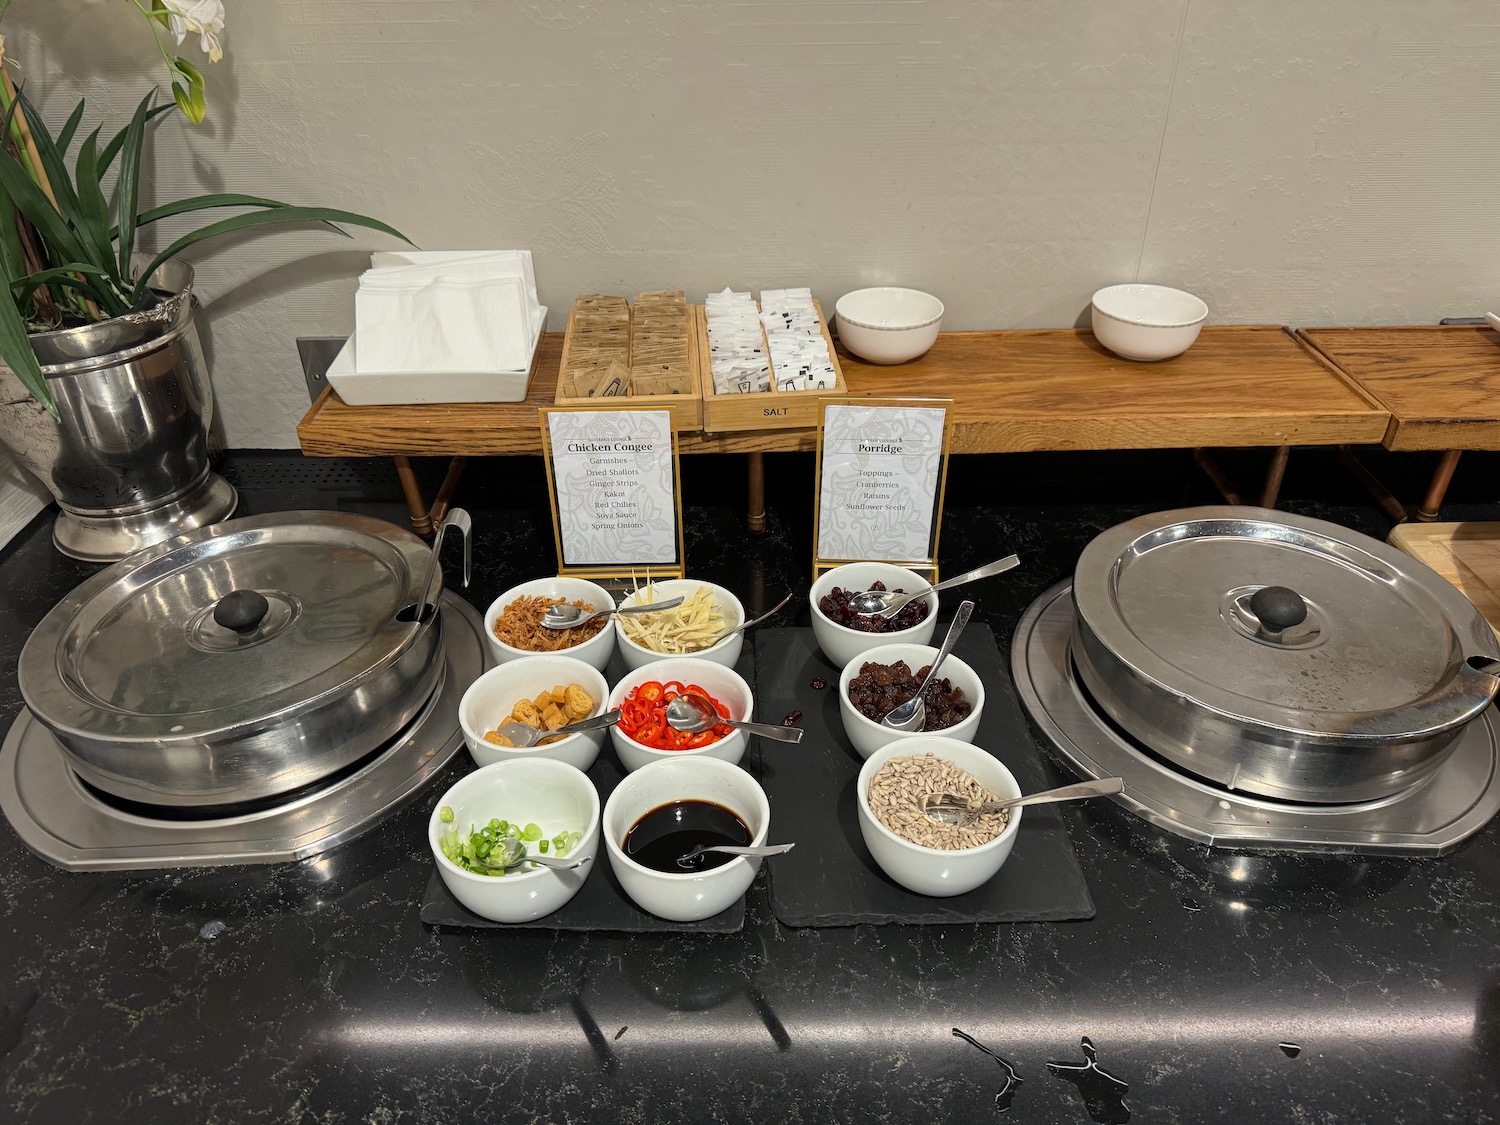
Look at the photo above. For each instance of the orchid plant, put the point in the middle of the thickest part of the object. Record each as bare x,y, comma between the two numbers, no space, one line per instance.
67,254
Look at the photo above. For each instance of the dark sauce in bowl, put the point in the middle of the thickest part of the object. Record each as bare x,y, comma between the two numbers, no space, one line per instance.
664,835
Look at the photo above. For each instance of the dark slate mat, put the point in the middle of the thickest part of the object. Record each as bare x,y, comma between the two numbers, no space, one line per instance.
830,879
601,903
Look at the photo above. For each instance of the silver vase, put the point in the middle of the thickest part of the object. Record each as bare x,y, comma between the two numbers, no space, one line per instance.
127,460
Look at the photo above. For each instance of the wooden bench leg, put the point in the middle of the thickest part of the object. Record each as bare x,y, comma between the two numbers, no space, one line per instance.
1382,495
424,520
1271,490
1211,469
1442,477
755,513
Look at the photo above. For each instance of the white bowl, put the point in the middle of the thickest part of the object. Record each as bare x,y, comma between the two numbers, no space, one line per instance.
553,795
1147,322
842,644
596,650
726,652
724,684
887,324
688,896
869,736
489,700
933,871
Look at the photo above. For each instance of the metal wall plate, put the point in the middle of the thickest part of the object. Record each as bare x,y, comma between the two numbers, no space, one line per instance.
69,825
1431,818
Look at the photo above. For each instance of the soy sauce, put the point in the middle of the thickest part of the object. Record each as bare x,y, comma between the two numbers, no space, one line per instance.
666,834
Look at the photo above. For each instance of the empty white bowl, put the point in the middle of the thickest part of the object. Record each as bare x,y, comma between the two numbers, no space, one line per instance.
888,324
596,650
686,896
724,684
554,796
489,700
934,871
726,652
1147,322
868,736
842,644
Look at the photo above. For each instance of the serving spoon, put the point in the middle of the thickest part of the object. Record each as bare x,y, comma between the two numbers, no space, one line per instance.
734,849
772,612
911,714
693,713
950,808
512,853
523,735
887,603
566,616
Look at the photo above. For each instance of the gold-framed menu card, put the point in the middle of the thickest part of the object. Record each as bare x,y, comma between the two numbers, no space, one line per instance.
616,491
882,470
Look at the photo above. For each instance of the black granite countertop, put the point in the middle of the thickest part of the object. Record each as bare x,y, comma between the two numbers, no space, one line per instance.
1219,987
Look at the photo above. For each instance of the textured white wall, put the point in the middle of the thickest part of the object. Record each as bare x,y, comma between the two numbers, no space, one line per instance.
1330,163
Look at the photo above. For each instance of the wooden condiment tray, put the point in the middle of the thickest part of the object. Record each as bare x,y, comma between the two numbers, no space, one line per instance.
686,408
772,410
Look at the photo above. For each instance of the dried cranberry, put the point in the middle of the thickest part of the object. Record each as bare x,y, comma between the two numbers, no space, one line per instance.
818,683
791,718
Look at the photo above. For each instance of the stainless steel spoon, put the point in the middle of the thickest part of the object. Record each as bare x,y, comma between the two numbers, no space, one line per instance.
886,603
772,612
693,713
731,849
950,808
524,735
510,852
570,616
458,519
911,714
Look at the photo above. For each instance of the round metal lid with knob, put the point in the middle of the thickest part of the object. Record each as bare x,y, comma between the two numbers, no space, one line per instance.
1278,654
238,661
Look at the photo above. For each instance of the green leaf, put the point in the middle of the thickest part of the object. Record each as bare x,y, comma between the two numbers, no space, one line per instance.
273,217
15,349
52,162
65,138
74,275
93,209
29,199
12,257
111,150
200,203
129,187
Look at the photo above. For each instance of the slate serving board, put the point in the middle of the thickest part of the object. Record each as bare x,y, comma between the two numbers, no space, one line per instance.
601,903
830,879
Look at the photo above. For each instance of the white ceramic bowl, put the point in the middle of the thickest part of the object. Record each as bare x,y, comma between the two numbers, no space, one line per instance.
842,644
724,684
596,650
869,736
932,871
489,700
1147,322
686,896
553,795
726,652
887,324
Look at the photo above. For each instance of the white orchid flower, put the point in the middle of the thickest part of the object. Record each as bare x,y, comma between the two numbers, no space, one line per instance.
206,17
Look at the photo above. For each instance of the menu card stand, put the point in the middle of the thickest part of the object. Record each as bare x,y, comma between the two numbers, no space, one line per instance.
615,486
882,471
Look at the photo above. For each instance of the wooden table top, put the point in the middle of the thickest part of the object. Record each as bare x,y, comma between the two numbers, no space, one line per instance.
1441,383
1014,391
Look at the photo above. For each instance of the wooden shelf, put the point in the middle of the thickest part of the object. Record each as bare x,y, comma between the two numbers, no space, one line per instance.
1013,391
1440,383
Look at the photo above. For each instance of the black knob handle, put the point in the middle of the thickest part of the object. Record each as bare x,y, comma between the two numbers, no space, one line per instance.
1278,608
241,610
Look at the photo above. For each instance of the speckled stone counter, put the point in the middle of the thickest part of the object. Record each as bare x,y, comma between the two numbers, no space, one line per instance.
1216,986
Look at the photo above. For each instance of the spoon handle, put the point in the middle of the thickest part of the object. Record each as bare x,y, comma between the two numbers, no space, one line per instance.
652,607
777,608
988,570
606,719
773,731
909,708
732,849
1104,787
